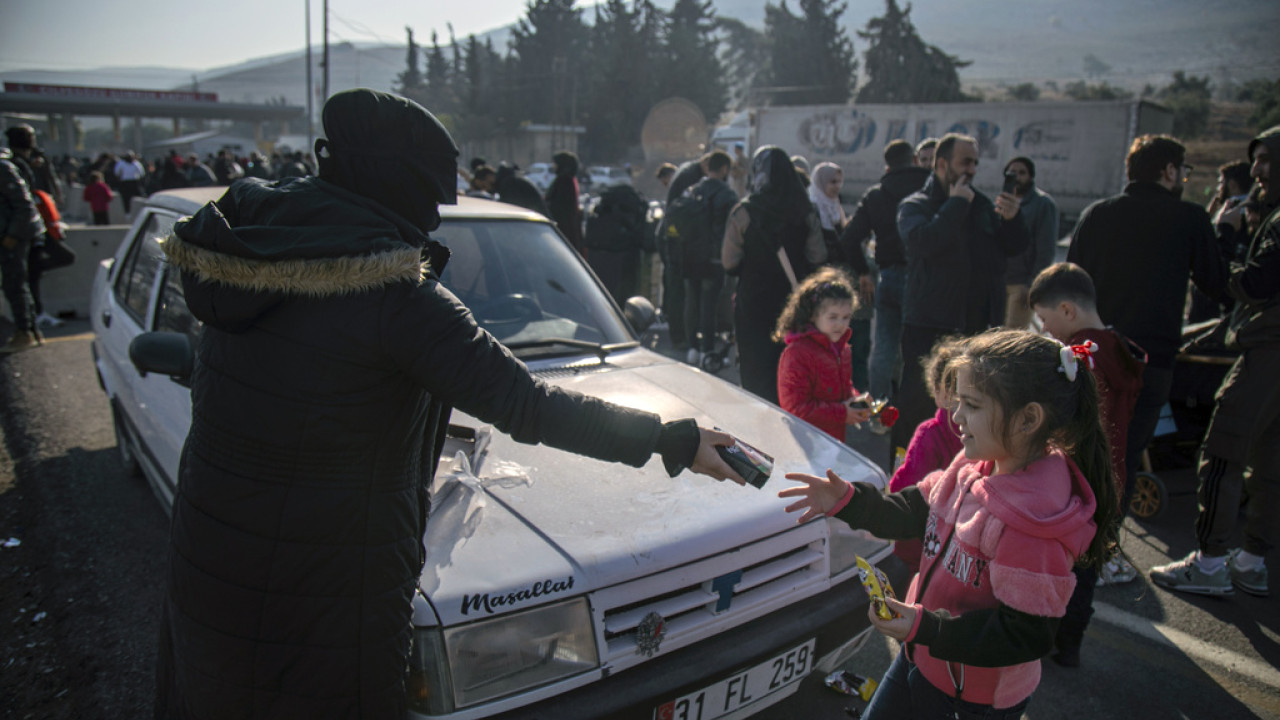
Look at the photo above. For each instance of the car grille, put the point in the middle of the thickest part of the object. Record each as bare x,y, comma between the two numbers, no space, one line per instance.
776,572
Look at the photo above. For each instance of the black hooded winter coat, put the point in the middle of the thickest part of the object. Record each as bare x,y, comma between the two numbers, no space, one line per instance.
329,361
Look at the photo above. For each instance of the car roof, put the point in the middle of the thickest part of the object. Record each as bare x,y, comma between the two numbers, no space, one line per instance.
186,201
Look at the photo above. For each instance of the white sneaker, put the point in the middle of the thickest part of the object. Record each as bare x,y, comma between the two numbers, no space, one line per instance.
694,357
46,320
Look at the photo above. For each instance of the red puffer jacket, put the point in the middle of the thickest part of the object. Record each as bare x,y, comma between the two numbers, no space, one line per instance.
815,377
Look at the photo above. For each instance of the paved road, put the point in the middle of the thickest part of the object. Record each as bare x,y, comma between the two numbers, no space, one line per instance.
78,595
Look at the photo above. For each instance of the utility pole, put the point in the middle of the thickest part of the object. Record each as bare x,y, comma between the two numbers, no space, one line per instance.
311,94
326,49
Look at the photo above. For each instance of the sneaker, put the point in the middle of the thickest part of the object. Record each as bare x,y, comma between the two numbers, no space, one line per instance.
46,320
21,340
1185,575
1117,571
693,357
1252,581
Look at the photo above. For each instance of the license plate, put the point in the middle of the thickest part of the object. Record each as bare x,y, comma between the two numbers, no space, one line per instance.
743,688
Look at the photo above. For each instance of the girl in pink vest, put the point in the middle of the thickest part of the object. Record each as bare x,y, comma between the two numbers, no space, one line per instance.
1002,527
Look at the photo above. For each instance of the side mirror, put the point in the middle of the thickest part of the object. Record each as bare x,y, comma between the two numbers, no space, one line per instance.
640,313
164,353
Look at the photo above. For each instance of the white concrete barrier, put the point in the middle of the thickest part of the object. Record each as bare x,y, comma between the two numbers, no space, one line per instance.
66,291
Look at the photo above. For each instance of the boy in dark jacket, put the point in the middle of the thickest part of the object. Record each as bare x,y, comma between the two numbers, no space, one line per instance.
1062,296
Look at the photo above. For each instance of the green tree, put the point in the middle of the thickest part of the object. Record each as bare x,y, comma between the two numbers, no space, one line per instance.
901,67
1081,90
811,59
690,65
744,56
1188,97
624,45
548,46
409,82
439,80
1024,91
1265,95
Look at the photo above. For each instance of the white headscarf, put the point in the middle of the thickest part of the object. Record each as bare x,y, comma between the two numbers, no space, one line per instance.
829,209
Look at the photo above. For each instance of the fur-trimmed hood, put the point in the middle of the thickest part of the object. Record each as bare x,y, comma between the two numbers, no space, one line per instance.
262,242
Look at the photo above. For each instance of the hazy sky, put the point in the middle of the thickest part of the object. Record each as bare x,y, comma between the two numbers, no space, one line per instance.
80,34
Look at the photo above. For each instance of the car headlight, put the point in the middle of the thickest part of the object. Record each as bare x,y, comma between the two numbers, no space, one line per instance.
497,657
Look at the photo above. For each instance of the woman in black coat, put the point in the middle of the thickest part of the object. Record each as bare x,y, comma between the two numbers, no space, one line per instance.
562,198
325,373
777,214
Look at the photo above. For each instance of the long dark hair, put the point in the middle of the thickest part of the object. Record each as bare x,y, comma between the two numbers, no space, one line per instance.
1017,368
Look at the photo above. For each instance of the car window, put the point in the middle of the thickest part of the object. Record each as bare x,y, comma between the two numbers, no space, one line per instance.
523,283
141,266
172,314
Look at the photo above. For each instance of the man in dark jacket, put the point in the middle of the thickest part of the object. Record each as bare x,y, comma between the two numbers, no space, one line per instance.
956,241
562,198
1139,247
704,275
1246,421
20,225
686,176
515,189
1038,210
877,214
329,362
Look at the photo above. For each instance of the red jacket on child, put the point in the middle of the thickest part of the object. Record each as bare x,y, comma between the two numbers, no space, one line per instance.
1119,376
815,377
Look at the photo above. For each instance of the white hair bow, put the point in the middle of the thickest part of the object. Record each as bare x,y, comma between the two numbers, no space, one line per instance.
1071,355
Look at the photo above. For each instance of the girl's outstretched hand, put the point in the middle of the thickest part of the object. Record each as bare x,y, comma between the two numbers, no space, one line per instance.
817,495
897,628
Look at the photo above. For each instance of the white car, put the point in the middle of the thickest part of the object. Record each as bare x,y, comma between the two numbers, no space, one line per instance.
600,177
556,586
541,175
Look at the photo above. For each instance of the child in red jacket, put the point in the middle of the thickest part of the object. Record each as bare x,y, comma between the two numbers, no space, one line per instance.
1003,527
815,374
98,194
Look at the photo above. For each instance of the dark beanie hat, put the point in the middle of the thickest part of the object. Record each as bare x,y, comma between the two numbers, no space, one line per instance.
21,137
1031,166
389,149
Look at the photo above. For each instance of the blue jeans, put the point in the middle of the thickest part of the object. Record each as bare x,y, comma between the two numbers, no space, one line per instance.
886,350
905,694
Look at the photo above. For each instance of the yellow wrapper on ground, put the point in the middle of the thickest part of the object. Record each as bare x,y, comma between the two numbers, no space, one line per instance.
877,586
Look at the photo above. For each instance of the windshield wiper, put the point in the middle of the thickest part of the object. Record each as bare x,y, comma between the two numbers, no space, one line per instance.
601,350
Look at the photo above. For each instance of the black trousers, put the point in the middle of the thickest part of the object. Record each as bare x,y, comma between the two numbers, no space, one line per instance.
49,255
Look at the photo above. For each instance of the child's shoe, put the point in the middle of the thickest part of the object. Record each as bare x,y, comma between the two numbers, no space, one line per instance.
1116,571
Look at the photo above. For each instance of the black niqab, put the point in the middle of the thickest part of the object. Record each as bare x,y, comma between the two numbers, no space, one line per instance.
392,150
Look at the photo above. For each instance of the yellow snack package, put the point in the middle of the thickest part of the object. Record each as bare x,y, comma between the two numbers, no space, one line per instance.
878,588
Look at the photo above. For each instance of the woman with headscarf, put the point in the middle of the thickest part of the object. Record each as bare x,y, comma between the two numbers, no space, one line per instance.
562,198
772,241
330,359
824,192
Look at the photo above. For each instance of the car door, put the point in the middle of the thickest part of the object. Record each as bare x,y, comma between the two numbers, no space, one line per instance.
145,404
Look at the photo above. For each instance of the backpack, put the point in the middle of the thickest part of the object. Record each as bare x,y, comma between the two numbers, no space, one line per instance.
688,229
617,222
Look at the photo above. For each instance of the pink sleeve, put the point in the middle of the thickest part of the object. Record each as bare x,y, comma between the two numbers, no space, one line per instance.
923,457
848,495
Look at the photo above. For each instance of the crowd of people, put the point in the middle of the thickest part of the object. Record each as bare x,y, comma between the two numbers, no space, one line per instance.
1027,389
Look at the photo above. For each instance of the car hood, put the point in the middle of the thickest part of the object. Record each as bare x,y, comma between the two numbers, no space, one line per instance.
530,524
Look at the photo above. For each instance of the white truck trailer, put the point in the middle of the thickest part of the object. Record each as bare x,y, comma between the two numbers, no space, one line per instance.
1078,147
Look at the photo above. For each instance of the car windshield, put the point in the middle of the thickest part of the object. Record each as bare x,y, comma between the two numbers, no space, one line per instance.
525,285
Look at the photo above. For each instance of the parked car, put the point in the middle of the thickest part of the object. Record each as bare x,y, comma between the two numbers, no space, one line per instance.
556,586
600,177
541,175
